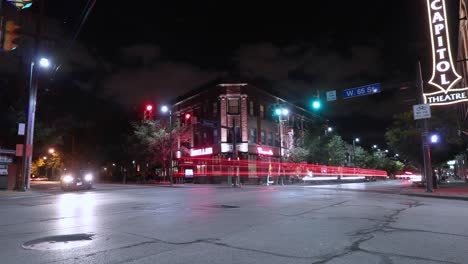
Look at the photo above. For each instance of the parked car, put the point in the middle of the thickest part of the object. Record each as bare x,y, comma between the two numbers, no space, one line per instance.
81,179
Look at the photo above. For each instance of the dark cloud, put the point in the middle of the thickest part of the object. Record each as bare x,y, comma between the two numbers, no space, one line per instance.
158,83
144,54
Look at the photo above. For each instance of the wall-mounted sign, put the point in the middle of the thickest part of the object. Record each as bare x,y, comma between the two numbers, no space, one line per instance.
201,152
444,76
264,151
241,147
421,111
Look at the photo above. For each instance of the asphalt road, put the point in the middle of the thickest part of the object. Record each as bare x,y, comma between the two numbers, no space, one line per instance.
352,223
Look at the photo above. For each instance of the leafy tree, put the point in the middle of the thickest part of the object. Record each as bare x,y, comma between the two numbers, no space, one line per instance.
404,137
337,151
153,137
298,154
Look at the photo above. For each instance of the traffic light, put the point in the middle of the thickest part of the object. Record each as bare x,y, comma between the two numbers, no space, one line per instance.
148,113
316,104
11,36
21,4
188,118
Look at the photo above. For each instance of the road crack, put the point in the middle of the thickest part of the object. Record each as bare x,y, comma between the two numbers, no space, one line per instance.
315,209
366,234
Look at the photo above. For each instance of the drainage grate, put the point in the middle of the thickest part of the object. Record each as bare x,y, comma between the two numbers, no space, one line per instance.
59,242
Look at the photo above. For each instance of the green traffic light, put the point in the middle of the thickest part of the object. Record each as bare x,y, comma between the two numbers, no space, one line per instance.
278,111
316,104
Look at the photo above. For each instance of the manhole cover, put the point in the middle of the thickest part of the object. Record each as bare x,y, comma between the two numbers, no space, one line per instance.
59,242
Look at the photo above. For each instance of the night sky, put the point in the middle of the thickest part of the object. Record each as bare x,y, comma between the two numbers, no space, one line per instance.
155,52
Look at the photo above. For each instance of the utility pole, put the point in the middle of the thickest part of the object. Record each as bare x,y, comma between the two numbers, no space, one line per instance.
426,148
281,150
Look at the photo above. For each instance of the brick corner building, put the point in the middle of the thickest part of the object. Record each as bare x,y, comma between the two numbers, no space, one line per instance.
236,121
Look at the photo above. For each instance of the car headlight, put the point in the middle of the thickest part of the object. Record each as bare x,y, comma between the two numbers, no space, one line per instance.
68,178
88,177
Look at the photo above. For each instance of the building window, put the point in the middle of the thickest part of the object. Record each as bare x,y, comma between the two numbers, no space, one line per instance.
262,112
233,106
251,108
263,137
253,136
270,139
215,108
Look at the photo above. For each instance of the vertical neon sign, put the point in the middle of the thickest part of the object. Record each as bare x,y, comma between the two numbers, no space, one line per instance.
444,76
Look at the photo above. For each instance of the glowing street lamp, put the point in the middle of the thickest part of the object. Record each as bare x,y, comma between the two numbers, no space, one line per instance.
44,63
166,109
356,140
435,139
51,150
29,133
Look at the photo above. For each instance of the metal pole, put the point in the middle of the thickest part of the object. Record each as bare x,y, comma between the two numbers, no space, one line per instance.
31,111
426,148
234,149
354,152
281,150
170,148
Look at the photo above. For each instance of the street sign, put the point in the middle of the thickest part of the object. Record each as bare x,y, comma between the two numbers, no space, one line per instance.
331,96
362,90
421,111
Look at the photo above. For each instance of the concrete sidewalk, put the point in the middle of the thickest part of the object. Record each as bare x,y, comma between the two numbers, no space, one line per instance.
456,190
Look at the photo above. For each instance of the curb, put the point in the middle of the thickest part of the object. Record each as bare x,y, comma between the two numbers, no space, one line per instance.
448,197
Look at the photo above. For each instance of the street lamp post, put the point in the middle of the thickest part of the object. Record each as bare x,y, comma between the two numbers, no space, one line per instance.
166,109
31,112
354,150
281,112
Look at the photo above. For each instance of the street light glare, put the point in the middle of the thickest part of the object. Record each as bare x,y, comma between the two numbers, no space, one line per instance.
434,139
285,112
51,150
330,129
357,140
164,109
374,146
44,62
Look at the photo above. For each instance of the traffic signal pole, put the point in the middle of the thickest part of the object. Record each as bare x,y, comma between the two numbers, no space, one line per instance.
28,142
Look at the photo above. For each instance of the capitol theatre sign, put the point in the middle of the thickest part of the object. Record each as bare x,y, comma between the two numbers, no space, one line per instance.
444,76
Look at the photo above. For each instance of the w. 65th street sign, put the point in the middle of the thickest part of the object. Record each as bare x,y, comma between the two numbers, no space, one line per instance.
361,91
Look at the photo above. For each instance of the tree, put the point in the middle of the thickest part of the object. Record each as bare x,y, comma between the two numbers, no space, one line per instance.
153,137
36,165
298,154
404,137
337,151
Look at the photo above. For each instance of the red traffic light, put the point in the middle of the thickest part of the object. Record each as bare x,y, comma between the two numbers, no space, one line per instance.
149,107
187,116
